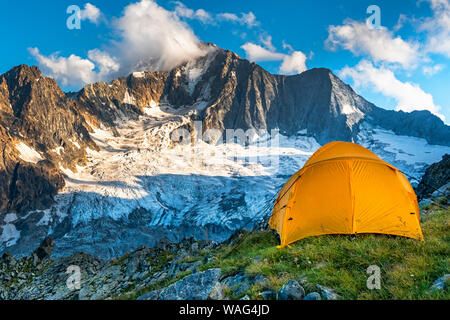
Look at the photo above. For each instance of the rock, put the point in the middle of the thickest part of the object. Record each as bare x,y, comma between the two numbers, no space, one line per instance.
291,290
132,266
194,247
443,191
246,297
425,202
217,293
312,296
8,258
261,281
45,249
439,284
327,293
241,289
269,295
436,177
196,286
257,259
238,284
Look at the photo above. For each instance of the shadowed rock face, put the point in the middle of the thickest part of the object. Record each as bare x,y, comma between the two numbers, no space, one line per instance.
437,175
35,111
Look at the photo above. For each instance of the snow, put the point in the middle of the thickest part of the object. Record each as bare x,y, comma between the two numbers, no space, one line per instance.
10,217
409,154
27,153
139,74
143,169
59,150
129,99
348,109
9,235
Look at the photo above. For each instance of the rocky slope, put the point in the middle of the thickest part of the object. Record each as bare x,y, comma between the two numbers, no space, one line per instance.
246,266
100,170
436,180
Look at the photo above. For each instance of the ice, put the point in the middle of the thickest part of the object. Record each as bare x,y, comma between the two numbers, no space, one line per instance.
9,235
27,153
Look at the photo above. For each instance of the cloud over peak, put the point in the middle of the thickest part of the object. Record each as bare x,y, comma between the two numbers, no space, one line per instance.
408,96
292,63
379,44
149,38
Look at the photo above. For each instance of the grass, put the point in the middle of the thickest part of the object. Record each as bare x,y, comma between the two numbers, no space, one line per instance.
408,267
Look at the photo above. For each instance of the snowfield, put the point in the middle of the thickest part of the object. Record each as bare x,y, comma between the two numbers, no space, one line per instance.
141,186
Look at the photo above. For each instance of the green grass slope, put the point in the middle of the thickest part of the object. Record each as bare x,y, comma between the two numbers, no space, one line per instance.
408,267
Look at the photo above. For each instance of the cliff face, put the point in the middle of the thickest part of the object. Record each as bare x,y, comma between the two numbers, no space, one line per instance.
40,130
236,94
436,176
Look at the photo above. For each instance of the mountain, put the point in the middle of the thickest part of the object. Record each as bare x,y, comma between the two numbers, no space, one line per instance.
118,164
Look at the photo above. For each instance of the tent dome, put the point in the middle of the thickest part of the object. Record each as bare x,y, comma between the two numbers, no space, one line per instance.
345,189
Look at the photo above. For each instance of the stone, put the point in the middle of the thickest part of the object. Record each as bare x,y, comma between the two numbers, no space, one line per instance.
8,258
291,290
425,202
45,249
312,296
217,293
261,281
196,286
132,266
439,284
194,247
327,293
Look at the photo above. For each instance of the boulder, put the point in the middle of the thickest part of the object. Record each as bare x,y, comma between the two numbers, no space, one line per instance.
45,249
291,290
312,296
196,286
327,293
8,259
439,284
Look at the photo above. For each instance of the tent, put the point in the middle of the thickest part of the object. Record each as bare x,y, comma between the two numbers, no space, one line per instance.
345,189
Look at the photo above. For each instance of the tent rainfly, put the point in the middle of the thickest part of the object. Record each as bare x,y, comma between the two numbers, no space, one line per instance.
345,189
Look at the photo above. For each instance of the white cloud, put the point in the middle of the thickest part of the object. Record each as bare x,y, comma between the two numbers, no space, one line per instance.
257,53
90,12
154,38
432,70
150,38
105,63
182,11
248,19
438,28
292,63
68,71
380,44
245,19
409,96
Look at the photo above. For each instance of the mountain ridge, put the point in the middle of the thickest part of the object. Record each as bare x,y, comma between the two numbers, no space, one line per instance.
101,161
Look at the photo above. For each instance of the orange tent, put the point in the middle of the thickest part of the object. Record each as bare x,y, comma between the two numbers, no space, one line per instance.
345,189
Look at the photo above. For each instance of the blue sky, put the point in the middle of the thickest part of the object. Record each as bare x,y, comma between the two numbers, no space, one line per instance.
404,64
